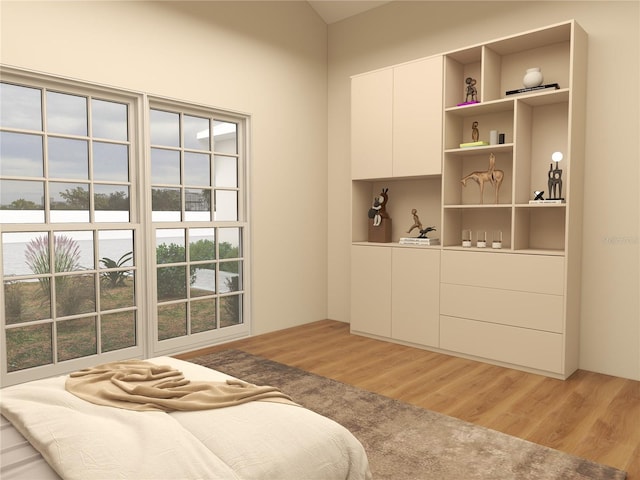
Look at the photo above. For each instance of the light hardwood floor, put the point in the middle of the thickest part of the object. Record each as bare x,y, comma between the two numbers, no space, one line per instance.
590,415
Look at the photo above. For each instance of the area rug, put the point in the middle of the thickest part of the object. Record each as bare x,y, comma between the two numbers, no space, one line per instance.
405,442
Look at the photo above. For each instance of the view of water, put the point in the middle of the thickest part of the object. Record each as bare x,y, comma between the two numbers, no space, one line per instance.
14,261
111,243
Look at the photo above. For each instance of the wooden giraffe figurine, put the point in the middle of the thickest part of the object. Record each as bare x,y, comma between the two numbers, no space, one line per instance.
491,175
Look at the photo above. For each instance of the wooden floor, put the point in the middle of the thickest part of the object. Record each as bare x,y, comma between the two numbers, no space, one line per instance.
590,415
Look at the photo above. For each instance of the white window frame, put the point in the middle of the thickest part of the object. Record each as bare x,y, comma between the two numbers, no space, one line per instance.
201,340
147,344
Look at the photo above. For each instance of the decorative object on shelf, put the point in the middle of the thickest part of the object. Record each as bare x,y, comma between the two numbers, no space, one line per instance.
493,137
555,177
416,221
548,86
474,144
501,139
419,241
475,133
547,201
532,78
472,91
418,224
497,239
378,210
466,238
481,240
379,220
492,175
538,195
425,231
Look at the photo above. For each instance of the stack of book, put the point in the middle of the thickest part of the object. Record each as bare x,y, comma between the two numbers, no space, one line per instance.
419,241
474,144
553,86
549,200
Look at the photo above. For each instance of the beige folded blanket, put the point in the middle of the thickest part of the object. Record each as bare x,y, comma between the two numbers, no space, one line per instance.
144,386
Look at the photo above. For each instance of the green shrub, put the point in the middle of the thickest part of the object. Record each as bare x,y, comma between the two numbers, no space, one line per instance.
231,303
202,250
172,280
13,301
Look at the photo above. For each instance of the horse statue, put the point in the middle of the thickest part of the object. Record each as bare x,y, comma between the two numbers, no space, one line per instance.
492,175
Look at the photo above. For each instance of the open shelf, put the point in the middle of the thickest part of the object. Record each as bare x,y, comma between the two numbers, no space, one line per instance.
459,165
535,124
487,219
423,194
540,228
499,66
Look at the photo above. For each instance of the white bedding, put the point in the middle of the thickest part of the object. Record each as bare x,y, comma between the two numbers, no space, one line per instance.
256,440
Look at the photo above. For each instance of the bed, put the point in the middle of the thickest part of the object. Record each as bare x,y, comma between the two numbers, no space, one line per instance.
78,439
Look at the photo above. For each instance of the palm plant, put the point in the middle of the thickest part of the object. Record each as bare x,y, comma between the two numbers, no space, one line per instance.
115,278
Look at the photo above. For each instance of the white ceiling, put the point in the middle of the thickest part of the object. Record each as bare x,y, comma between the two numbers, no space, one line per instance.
335,10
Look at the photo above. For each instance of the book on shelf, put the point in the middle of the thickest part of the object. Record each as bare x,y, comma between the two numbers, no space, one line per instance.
419,241
554,86
550,200
474,144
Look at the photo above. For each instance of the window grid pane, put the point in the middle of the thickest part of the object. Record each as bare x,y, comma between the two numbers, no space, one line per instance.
210,268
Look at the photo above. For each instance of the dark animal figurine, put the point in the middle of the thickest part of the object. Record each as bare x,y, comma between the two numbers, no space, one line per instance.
424,231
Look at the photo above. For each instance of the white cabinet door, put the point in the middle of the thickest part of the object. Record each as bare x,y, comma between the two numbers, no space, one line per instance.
415,295
371,290
371,124
417,118
396,121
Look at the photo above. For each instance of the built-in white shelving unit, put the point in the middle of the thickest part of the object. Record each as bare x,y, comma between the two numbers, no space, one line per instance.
517,305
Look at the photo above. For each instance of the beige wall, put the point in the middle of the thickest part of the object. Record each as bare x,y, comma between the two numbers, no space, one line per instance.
401,31
265,59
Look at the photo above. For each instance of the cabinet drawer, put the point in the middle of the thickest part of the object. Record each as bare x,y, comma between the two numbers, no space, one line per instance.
518,346
528,273
538,311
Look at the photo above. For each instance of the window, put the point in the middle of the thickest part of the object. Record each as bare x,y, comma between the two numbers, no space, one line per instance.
81,198
196,216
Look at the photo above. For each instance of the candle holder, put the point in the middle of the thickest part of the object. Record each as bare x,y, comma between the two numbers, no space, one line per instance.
466,238
496,241
481,241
